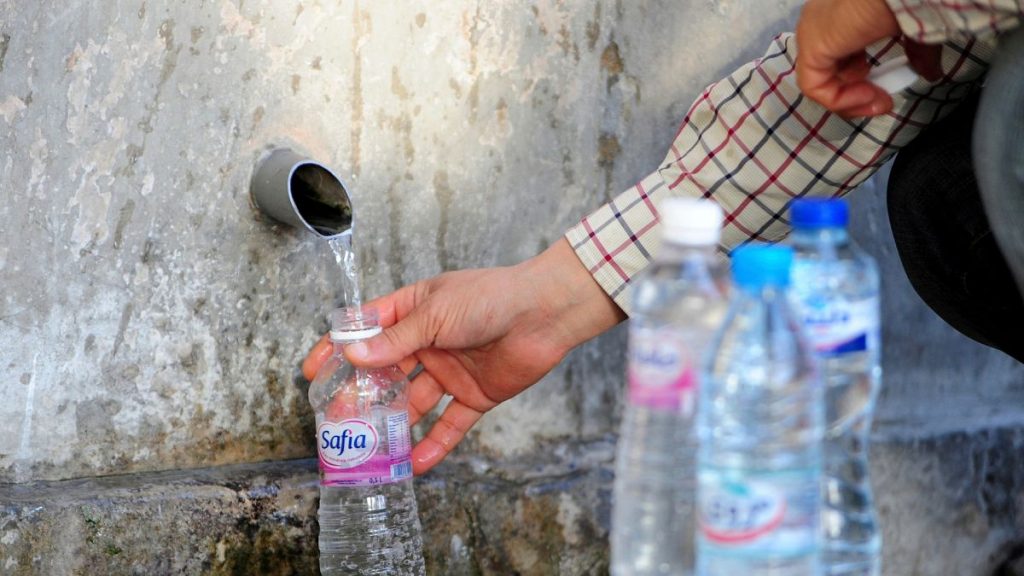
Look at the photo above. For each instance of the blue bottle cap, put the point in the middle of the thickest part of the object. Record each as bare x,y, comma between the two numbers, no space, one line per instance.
758,265
811,214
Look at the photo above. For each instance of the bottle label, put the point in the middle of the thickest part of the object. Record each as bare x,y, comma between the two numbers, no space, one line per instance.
742,514
352,453
836,327
661,374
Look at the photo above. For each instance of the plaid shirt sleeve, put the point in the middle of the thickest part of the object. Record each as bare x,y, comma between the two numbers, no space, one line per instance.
753,143
936,21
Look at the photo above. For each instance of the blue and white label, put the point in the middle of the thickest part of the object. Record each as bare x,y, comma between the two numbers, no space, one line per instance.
401,471
836,327
747,513
740,512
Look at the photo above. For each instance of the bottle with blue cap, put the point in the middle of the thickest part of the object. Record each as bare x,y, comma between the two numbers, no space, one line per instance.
760,421
368,516
677,304
836,291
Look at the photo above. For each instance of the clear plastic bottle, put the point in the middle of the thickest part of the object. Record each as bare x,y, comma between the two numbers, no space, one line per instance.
677,306
368,517
760,421
836,290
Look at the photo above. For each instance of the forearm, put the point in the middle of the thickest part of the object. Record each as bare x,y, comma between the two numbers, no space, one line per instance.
752,143
566,296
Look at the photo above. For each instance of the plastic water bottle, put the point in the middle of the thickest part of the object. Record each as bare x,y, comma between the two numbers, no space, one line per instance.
760,422
677,306
368,517
836,289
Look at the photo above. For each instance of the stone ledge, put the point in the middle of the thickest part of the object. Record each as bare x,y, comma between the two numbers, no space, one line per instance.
538,515
949,505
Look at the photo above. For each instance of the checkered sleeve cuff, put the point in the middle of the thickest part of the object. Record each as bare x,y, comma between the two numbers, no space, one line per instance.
753,143
615,242
936,21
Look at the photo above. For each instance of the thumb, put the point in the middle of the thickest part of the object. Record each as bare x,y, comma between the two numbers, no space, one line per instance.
395,343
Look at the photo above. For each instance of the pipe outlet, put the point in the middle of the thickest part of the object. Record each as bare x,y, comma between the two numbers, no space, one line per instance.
303,193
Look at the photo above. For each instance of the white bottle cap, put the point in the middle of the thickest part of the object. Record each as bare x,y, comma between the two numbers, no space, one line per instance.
689,221
893,76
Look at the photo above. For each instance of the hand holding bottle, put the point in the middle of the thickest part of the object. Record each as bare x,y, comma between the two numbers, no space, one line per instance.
482,336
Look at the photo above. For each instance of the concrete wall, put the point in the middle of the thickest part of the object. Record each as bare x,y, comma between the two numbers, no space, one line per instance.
151,320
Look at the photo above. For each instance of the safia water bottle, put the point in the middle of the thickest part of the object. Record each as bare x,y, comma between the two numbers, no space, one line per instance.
677,306
369,524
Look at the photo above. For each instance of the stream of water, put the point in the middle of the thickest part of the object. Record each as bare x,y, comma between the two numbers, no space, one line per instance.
345,256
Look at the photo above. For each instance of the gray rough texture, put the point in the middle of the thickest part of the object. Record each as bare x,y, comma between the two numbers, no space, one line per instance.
242,519
480,517
951,504
151,320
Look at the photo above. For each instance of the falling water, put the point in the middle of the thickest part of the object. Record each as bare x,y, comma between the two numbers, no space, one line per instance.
345,256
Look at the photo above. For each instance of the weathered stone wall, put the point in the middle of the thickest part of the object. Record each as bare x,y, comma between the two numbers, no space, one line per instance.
150,320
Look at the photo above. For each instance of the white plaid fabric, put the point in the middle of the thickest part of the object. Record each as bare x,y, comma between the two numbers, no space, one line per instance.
752,142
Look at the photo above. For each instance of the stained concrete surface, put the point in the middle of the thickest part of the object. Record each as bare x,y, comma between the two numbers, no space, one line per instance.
151,320
949,505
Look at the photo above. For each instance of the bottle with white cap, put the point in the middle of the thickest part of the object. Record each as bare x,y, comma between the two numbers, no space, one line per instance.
369,523
677,305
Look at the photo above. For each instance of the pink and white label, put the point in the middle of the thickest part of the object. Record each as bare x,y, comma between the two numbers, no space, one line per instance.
352,452
661,374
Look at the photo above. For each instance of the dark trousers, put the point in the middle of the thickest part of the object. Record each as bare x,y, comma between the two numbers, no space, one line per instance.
956,204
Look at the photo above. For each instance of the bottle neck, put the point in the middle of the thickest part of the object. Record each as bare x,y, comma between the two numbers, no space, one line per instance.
347,337
770,294
818,236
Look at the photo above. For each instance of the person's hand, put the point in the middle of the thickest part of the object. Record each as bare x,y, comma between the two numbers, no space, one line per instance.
831,64
482,336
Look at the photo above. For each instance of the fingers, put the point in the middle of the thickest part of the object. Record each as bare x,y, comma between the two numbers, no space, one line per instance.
836,85
881,104
408,365
840,98
841,87
393,345
391,308
319,354
395,306
446,433
854,69
831,65
407,329
845,91
424,393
